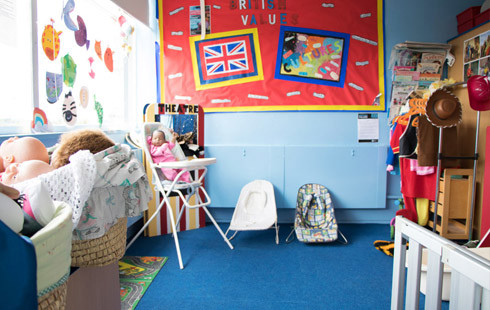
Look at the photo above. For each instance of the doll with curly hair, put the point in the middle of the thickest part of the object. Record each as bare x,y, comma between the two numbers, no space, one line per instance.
93,140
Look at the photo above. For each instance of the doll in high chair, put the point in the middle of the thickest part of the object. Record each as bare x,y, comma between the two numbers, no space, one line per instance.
161,151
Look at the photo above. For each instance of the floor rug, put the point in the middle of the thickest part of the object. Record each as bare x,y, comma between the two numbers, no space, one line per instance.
135,276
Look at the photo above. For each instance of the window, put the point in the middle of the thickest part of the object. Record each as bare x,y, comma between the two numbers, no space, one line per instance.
86,70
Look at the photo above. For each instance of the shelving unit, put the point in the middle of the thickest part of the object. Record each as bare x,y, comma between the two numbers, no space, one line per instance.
472,120
454,204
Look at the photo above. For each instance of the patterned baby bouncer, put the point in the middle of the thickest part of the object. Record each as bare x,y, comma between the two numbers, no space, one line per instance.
315,218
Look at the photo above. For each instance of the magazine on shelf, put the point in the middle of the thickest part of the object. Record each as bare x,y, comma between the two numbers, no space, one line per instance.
400,92
406,76
410,53
433,77
403,68
438,58
429,67
424,85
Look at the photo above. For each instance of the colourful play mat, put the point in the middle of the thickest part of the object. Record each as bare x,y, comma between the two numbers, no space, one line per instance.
135,276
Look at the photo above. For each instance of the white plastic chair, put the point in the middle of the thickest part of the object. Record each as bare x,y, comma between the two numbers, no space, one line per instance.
255,209
167,187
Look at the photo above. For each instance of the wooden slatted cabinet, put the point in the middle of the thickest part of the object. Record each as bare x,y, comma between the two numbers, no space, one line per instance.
454,204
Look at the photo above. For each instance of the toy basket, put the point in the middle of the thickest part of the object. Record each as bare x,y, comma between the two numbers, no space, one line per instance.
56,299
101,251
53,248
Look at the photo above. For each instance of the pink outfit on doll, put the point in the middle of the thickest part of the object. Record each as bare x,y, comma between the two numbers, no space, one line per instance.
163,153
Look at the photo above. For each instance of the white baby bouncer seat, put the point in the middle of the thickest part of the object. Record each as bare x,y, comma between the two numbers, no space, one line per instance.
177,187
255,209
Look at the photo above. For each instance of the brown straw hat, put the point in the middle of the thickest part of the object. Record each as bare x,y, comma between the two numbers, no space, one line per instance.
443,109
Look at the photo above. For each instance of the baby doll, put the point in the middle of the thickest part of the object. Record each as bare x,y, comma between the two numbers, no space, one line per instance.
161,151
35,202
28,212
93,140
10,212
17,150
29,169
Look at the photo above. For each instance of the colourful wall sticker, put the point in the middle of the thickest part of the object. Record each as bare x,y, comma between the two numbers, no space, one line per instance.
50,41
108,59
84,96
39,120
69,68
81,33
69,7
54,86
91,73
100,111
127,31
97,49
69,109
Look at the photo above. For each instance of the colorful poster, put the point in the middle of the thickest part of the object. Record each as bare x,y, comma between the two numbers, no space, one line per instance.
476,56
195,19
312,56
226,58
274,55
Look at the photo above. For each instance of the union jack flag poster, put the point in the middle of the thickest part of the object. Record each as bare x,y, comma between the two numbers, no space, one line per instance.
272,55
226,58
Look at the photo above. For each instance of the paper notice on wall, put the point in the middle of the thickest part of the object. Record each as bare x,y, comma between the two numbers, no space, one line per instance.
367,127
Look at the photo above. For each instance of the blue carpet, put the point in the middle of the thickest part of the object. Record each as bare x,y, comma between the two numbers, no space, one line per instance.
258,274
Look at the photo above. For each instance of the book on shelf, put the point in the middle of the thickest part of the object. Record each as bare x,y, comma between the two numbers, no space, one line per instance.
424,85
403,58
401,90
403,68
432,77
406,76
438,58
429,67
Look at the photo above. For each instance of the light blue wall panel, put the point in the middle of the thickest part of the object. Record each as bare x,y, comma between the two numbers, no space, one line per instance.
239,165
354,175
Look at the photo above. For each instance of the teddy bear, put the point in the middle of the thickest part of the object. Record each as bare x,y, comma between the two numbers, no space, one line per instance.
93,140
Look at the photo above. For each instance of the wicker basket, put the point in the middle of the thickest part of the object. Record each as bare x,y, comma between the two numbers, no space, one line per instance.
101,251
53,248
54,300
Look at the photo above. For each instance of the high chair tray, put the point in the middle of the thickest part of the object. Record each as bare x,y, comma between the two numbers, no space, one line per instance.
188,164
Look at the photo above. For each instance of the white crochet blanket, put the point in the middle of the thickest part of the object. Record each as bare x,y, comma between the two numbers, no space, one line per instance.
100,188
71,183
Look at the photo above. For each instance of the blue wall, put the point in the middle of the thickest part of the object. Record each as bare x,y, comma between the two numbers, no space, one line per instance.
293,148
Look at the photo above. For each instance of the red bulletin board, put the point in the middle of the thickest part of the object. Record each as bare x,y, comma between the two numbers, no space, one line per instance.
273,55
